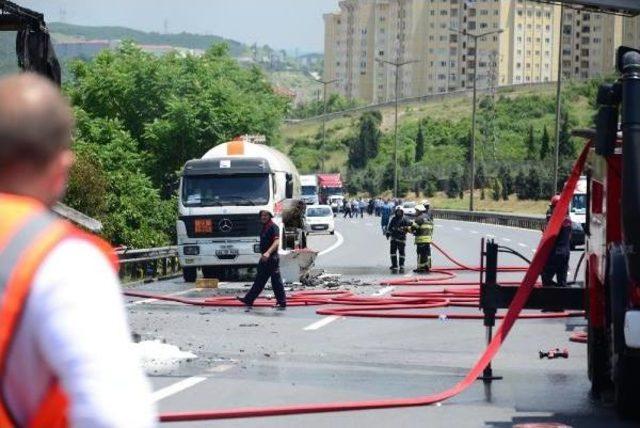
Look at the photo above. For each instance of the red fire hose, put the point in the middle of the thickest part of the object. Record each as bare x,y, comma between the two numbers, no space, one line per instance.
503,330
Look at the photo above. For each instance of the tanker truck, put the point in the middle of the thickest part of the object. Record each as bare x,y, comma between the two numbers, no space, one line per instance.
219,202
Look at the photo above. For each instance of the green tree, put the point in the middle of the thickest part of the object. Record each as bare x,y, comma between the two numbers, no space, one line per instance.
496,190
507,181
566,149
531,144
520,186
453,185
545,144
419,145
365,145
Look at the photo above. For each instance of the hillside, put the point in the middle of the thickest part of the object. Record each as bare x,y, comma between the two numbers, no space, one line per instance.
515,133
62,32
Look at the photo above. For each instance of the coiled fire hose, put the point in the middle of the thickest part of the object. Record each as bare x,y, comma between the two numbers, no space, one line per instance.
526,285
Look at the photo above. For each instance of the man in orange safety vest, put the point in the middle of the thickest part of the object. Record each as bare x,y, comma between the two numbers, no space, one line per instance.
65,351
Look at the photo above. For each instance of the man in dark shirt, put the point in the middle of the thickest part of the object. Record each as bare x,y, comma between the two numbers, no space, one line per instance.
397,231
558,261
269,264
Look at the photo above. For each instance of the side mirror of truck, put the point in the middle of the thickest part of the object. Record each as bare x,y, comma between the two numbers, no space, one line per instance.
289,187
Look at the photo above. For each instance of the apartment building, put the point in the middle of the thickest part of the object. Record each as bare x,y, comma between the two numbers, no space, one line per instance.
631,32
432,33
589,43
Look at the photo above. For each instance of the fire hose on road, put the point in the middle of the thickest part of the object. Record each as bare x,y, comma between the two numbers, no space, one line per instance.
359,305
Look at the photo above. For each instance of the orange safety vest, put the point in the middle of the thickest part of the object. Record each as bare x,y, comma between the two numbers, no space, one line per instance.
28,232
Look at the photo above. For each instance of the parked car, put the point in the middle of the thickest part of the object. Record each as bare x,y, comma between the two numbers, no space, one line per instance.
409,208
320,219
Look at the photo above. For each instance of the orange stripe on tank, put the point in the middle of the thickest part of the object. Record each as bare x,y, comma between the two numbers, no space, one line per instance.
235,147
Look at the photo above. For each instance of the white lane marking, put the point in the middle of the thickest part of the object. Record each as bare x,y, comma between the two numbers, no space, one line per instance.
331,318
506,239
176,387
177,293
522,245
384,291
339,241
321,323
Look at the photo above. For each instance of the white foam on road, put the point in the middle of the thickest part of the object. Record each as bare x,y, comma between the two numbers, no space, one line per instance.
156,356
385,290
339,242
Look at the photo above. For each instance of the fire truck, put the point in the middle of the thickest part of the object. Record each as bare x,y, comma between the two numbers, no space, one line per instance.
612,270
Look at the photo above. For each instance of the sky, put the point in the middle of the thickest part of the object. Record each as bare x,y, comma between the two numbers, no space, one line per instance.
282,24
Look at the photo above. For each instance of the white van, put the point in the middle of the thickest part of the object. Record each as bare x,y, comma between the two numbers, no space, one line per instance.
578,212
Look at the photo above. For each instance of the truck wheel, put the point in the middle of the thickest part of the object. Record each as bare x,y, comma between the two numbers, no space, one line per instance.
189,274
627,385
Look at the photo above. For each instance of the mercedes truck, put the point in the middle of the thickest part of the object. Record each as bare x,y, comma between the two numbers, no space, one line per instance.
220,198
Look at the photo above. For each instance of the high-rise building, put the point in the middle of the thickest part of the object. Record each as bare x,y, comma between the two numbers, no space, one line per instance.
432,33
589,43
631,32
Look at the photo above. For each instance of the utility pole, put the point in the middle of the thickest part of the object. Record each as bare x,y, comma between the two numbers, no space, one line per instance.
397,65
473,114
554,186
324,83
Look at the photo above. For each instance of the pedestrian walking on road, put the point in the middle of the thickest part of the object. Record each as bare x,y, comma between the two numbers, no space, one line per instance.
269,264
65,354
385,215
423,230
558,261
346,207
397,230
362,205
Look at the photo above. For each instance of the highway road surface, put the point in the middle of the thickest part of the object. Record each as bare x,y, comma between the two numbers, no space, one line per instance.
265,357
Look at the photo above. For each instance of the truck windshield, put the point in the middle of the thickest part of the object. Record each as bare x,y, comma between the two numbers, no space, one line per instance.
219,190
333,190
579,204
308,190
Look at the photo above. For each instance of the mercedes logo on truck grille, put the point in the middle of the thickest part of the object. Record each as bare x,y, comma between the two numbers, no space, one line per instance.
225,225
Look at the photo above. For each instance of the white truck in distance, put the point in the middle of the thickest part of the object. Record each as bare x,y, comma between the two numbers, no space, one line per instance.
309,185
220,198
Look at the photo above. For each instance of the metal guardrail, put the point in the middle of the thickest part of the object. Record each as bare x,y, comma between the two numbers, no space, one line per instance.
441,96
148,264
534,222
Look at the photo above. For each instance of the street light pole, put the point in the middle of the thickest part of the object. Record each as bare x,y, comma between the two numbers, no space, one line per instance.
473,111
554,186
324,83
397,65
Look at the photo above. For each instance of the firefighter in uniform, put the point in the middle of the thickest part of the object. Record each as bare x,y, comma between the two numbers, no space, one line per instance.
65,346
397,230
422,229
269,264
558,261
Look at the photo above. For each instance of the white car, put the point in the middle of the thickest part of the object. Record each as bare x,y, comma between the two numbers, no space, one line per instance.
320,219
409,209
336,202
